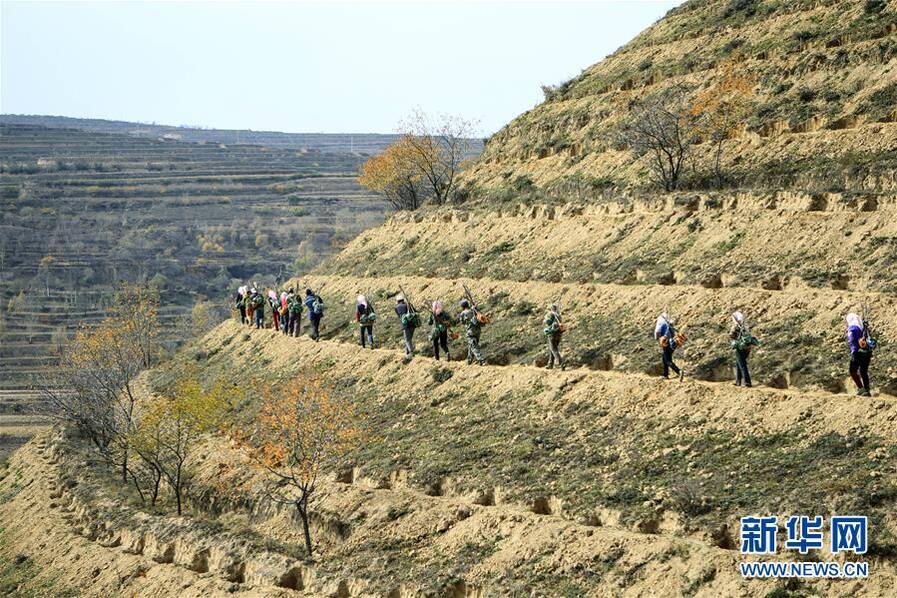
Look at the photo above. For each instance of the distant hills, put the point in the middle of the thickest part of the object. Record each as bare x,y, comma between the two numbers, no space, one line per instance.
354,143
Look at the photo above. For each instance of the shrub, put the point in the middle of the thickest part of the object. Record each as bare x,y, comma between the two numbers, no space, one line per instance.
873,7
440,374
802,37
805,94
747,8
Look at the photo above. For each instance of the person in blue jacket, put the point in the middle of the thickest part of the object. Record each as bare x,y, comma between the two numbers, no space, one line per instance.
315,306
860,346
665,334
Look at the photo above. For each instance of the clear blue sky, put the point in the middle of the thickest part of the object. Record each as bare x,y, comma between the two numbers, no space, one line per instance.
301,66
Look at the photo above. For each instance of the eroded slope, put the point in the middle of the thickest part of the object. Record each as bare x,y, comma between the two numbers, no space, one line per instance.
824,112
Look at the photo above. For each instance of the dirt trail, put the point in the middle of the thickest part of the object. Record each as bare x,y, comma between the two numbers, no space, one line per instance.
792,325
702,403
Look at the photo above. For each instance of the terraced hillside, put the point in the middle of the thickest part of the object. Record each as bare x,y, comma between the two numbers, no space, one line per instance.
82,211
824,115
601,479
507,479
614,267
473,481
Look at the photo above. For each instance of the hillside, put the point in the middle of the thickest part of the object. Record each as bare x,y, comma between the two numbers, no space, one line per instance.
337,143
824,115
501,480
508,479
82,211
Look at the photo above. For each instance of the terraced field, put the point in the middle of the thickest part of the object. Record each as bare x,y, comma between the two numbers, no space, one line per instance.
82,211
614,268
601,479
823,104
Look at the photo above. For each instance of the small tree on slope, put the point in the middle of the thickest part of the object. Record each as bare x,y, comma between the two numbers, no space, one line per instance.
722,109
303,428
171,428
91,386
663,128
395,175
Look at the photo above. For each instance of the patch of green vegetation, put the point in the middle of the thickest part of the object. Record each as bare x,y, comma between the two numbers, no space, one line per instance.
730,244
14,486
880,102
440,374
18,574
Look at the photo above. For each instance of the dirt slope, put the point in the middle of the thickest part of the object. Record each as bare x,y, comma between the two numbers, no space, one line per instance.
500,480
824,113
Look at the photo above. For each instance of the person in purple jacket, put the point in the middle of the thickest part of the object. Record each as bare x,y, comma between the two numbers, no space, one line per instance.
860,353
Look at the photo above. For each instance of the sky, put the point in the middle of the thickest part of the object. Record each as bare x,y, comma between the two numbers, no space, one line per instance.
331,67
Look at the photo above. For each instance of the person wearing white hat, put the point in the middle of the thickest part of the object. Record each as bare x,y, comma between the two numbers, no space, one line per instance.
742,342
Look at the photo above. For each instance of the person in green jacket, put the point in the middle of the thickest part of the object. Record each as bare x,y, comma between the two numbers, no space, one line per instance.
742,342
553,331
294,313
441,321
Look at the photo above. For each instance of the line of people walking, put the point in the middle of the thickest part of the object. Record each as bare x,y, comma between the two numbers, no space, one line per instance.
860,344
286,309
286,316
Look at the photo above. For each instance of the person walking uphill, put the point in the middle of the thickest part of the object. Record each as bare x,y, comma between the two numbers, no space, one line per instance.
441,321
274,302
410,320
861,344
668,339
315,306
553,330
742,342
473,327
257,303
284,312
294,313
240,302
365,316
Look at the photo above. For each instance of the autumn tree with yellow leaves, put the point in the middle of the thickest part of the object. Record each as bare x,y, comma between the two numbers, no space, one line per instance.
395,175
170,428
303,429
723,108
423,164
91,387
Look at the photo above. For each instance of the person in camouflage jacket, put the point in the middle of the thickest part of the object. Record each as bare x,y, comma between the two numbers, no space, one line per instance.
472,330
294,313
553,331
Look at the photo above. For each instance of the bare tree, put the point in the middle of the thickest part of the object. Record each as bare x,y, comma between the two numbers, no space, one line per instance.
92,385
439,146
664,128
